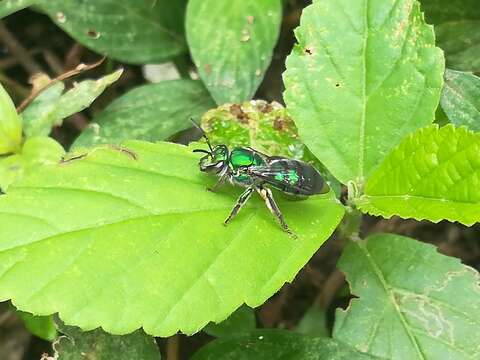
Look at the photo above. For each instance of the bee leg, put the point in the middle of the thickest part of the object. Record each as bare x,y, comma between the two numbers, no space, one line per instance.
267,195
240,202
217,185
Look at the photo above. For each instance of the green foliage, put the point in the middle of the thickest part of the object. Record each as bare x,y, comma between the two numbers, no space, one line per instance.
413,302
149,112
98,345
250,28
41,326
241,321
461,99
10,125
433,174
51,106
94,231
457,23
314,322
277,344
36,152
8,7
152,31
363,76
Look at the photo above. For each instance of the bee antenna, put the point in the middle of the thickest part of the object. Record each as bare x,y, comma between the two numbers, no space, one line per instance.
203,133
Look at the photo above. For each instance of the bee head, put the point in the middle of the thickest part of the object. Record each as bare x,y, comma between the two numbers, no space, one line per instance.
215,160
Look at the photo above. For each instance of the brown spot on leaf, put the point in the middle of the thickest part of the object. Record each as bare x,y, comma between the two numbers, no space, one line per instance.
278,124
308,51
266,108
237,111
208,68
93,34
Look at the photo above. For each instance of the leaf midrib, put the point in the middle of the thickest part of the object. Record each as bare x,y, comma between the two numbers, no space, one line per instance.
391,297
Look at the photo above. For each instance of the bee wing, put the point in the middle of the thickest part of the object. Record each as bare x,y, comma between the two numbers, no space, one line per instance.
290,176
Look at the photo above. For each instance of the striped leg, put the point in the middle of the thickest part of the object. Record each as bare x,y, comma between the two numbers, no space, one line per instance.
240,202
267,195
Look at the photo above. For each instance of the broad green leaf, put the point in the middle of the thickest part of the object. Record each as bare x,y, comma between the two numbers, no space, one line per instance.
461,99
277,344
363,75
98,345
129,238
149,112
41,326
51,107
267,127
241,321
434,174
130,31
413,302
36,152
461,42
8,7
10,125
250,28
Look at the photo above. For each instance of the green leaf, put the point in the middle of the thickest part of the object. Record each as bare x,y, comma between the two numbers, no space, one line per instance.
277,344
440,11
456,28
8,7
129,238
363,75
250,28
149,112
133,32
51,107
434,174
314,322
461,42
98,345
413,302
10,125
41,326
461,99
36,152
241,321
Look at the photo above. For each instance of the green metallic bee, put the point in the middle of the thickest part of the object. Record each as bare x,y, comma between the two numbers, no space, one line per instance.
256,171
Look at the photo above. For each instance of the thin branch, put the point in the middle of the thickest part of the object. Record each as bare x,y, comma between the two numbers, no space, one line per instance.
79,69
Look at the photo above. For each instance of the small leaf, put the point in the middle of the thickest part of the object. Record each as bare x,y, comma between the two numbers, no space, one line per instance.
36,151
241,321
277,344
97,344
41,326
10,125
40,115
413,302
149,112
133,32
433,174
461,99
50,107
314,322
363,75
250,28
456,28
461,42
8,7
129,238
